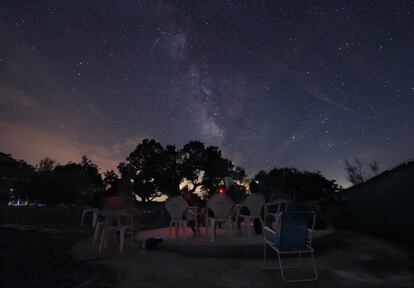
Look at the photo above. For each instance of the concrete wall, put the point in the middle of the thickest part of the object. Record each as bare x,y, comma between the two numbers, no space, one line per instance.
384,205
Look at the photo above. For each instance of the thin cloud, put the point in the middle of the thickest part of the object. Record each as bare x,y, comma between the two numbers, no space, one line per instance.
95,110
62,148
11,96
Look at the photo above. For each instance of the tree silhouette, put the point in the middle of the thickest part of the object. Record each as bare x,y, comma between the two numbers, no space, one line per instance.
143,169
205,167
70,183
374,167
216,168
46,164
356,173
193,161
155,170
15,177
302,185
171,175
110,180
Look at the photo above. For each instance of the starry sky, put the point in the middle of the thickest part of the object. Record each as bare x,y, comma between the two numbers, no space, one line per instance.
303,84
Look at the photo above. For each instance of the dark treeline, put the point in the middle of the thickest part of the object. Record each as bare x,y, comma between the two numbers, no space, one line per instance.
151,170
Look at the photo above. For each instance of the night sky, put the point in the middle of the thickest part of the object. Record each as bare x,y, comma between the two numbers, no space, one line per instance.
272,83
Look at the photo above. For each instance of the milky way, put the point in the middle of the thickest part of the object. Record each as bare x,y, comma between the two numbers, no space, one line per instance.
272,83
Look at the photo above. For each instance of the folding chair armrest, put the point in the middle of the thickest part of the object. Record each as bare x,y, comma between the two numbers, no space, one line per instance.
270,236
270,230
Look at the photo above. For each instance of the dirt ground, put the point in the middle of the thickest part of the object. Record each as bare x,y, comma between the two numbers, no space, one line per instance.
49,253
33,256
35,251
355,261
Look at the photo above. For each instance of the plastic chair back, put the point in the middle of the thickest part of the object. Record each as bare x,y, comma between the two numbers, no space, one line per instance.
176,206
221,205
254,203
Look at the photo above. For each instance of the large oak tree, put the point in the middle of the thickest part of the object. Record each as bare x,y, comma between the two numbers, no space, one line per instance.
155,170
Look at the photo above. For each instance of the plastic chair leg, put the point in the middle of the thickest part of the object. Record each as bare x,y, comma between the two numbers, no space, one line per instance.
196,226
184,228
94,220
83,217
95,236
169,231
102,242
206,225
213,229
121,240
177,228
248,226
106,236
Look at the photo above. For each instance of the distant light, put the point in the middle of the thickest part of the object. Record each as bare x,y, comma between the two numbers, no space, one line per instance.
132,180
256,181
221,190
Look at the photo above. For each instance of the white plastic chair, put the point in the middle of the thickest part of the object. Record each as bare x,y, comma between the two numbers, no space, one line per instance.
113,225
99,225
254,203
94,216
221,206
176,207
129,219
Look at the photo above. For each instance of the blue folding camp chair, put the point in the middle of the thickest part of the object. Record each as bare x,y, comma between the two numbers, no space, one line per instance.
293,236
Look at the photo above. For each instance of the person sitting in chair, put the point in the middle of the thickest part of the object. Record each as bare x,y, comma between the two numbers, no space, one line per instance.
189,214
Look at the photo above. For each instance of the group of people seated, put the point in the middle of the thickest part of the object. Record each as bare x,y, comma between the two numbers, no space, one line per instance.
197,207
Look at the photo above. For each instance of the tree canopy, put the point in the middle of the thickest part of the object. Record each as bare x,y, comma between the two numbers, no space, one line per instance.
69,183
46,164
155,170
356,173
303,185
152,170
14,174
